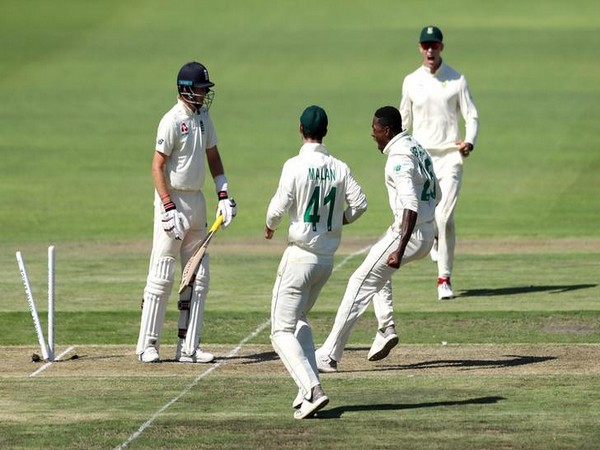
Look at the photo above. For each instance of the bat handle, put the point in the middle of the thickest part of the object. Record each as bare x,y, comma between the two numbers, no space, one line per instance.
217,224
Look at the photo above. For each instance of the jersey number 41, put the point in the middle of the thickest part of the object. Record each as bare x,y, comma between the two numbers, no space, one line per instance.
311,214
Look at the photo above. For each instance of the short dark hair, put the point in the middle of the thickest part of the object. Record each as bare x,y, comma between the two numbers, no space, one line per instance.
389,116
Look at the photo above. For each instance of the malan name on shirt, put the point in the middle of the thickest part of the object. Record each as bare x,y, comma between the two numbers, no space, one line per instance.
321,174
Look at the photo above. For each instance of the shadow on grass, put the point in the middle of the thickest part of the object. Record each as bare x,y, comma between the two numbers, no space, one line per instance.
254,358
336,413
515,360
524,290
463,364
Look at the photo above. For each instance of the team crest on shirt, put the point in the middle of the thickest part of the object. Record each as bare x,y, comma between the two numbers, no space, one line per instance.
398,168
184,128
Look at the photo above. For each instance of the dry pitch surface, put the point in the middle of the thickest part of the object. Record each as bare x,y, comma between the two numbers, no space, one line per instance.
405,360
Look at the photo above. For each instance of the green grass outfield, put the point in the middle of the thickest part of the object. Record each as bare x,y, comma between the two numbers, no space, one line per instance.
82,88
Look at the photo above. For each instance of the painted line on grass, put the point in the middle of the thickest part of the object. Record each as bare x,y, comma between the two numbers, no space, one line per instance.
350,256
48,364
207,372
190,386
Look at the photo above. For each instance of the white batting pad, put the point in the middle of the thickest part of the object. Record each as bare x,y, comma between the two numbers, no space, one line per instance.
156,294
153,319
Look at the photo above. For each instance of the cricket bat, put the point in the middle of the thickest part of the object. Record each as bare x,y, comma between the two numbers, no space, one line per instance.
189,271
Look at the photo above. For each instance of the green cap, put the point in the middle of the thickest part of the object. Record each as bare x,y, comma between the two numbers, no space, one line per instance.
314,121
431,34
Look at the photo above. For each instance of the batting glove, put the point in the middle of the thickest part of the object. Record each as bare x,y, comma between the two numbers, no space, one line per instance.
226,207
174,223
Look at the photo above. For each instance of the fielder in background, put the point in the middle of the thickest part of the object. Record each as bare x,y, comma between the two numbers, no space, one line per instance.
433,98
185,137
314,190
413,193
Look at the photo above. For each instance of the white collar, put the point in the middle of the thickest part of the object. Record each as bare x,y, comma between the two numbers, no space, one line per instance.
311,147
388,147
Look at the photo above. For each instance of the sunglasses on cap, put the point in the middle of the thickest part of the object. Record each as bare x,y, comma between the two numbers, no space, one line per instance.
431,45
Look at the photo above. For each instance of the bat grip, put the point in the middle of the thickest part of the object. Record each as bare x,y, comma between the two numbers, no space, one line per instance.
217,224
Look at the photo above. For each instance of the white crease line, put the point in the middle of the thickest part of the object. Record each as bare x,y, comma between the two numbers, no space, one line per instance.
352,255
190,386
48,364
231,354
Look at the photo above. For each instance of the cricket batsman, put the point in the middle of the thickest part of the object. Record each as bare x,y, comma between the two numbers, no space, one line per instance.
186,138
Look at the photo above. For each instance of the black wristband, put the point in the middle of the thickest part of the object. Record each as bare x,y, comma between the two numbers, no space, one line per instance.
169,206
222,195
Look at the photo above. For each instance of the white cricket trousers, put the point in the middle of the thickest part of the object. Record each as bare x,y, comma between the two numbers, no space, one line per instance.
300,277
448,169
370,278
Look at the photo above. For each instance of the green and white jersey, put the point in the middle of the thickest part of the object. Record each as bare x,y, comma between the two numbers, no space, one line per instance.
410,180
314,190
431,105
184,136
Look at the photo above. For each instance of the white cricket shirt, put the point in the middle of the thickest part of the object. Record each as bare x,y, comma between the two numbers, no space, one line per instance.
410,180
431,104
184,136
314,189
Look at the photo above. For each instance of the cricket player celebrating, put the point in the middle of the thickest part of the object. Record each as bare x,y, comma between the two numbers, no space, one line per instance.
185,137
413,192
433,98
313,189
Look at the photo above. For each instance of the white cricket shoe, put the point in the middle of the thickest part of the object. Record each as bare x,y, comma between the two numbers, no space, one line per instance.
384,342
445,289
149,355
325,364
199,356
317,401
298,400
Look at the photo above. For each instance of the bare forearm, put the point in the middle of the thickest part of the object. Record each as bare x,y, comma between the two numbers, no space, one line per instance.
409,219
158,176
215,164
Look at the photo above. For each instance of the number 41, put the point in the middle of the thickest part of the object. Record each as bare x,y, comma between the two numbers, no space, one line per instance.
311,215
